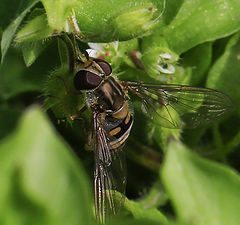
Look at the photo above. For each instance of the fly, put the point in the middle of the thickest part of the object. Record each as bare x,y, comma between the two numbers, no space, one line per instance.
171,106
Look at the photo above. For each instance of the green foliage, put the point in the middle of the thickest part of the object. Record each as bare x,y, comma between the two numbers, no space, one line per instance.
217,18
222,75
10,31
57,12
93,21
211,191
174,178
36,29
139,212
62,104
198,67
32,50
41,176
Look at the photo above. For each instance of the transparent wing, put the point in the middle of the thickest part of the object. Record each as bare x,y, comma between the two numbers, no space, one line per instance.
178,106
109,175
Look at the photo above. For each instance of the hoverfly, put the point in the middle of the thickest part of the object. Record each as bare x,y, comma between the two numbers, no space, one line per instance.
171,106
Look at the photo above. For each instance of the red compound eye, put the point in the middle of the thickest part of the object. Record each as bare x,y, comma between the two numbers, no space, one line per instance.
86,80
107,69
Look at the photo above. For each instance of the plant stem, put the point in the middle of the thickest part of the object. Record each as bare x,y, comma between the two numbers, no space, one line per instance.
235,141
220,155
144,155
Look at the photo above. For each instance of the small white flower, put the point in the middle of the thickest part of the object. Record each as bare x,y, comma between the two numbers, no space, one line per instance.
168,69
165,62
165,55
92,53
97,46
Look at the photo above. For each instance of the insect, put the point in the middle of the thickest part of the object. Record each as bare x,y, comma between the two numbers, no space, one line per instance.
172,106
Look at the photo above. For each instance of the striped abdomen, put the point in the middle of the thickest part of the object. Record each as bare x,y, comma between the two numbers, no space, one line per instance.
119,134
118,119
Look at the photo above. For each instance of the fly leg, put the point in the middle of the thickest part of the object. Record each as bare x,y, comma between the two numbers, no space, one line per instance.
72,117
91,132
76,116
68,92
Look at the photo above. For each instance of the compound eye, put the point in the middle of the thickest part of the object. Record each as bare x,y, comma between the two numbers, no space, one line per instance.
86,80
107,69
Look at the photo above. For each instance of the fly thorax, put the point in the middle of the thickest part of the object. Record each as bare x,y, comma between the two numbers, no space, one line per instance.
110,95
91,99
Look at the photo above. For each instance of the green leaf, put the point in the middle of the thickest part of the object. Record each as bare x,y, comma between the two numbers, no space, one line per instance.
156,196
202,192
113,21
16,79
139,222
192,137
63,53
42,182
58,11
137,20
162,135
12,80
138,212
171,9
36,29
59,82
224,74
106,21
200,21
31,50
199,60
10,31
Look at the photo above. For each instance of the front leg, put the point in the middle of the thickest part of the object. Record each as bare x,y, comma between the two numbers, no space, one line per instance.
76,116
